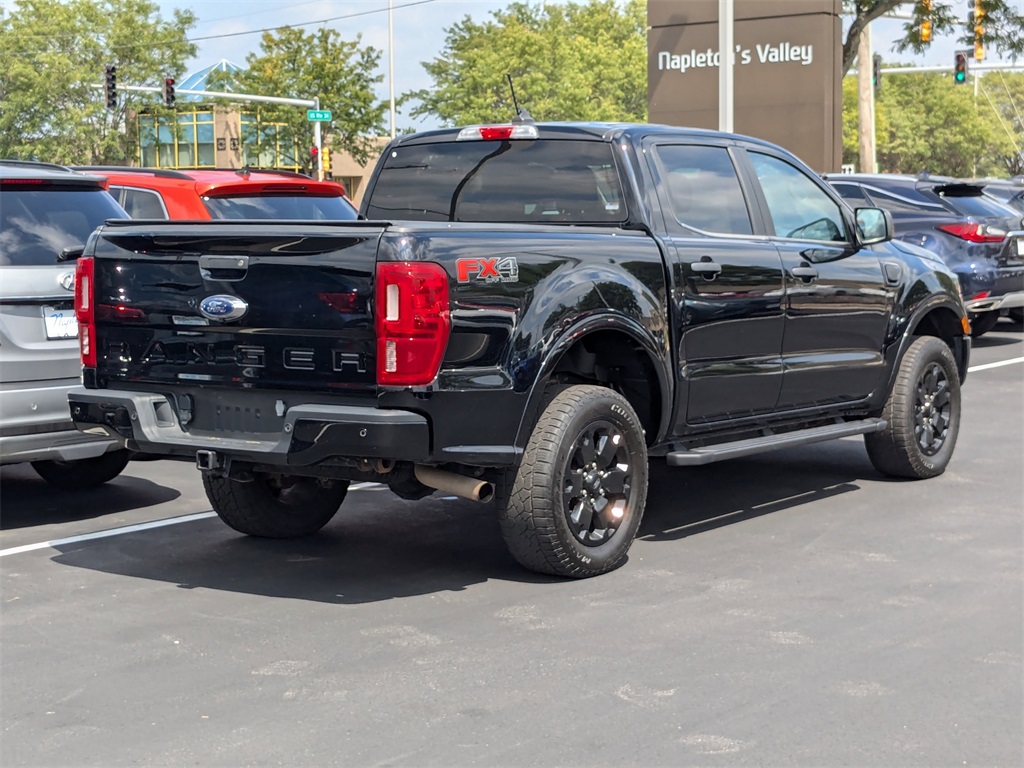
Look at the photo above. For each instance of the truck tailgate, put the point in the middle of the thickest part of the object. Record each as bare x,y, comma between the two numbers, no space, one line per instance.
237,306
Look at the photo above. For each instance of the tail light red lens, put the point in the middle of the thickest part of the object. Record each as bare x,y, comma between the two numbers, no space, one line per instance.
413,322
975,233
85,309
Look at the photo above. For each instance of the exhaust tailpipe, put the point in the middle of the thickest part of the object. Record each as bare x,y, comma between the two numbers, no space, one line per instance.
457,485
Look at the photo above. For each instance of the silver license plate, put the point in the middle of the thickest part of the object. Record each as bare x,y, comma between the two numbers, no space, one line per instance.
60,323
1020,246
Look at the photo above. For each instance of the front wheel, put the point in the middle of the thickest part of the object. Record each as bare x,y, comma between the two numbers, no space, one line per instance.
82,473
275,506
574,505
923,414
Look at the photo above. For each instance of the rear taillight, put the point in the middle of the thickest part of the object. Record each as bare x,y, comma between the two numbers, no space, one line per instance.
85,309
412,322
975,233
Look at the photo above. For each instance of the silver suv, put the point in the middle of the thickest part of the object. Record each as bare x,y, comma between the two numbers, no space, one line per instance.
44,210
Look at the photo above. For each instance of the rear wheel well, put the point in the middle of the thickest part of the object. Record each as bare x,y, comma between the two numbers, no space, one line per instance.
613,359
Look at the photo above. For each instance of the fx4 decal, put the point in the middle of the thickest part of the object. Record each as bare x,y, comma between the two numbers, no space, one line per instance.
496,270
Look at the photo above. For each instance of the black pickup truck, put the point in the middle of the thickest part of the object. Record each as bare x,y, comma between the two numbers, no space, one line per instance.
525,312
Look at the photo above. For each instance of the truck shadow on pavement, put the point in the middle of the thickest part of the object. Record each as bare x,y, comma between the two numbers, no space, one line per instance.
379,547
28,500
683,502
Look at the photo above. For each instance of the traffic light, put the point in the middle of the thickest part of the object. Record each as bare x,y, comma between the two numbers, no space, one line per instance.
979,29
168,91
314,155
926,23
961,67
327,160
876,72
110,86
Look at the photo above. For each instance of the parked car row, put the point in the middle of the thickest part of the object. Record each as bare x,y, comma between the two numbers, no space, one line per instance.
967,223
47,213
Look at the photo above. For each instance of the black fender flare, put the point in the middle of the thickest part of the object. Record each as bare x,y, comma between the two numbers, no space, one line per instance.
603,321
961,351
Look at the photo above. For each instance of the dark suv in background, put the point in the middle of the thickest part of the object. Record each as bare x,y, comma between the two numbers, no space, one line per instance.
45,209
1007,191
978,237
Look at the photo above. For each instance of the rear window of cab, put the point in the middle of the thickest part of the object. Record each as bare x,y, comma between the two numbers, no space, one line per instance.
529,182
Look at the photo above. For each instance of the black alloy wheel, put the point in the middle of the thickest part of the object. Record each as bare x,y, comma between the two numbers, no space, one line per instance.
597,483
933,409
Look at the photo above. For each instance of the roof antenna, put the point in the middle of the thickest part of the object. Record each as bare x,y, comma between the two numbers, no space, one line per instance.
522,116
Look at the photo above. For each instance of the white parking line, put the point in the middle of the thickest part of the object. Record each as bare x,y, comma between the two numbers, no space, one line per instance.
106,533
1000,364
205,515
130,529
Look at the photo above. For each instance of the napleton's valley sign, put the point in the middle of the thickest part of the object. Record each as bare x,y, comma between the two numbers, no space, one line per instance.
787,62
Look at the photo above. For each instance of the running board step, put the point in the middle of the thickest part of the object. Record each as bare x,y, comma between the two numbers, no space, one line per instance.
710,453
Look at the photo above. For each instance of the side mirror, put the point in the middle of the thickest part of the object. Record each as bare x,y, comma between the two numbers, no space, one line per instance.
874,225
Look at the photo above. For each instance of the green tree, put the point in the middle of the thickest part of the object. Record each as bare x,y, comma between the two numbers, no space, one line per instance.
1003,94
578,61
925,124
300,65
52,55
1003,27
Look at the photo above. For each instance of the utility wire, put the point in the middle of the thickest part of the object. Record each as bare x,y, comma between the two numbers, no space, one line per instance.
307,23
1009,95
236,34
999,117
255,13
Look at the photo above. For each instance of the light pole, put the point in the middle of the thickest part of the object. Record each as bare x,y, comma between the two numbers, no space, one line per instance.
726,19
391,64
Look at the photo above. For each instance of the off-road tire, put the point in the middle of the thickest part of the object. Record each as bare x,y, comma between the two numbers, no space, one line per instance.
275,507
82,473
537,508
983,322
923,407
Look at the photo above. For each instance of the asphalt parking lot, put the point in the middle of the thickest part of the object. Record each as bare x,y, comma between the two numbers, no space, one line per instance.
794,608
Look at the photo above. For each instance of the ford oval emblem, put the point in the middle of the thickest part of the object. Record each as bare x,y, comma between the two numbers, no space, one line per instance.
223,307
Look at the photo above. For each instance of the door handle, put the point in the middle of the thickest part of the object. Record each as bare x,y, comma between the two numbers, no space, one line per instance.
805,272
706,267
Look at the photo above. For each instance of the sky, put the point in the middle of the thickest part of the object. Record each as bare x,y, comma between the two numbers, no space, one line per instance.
419,32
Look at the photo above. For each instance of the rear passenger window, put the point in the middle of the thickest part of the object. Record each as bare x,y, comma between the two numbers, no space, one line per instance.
703,190
143,204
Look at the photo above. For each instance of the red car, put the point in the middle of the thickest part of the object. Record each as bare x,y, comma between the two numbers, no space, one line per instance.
156,193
